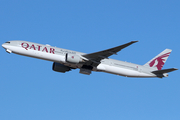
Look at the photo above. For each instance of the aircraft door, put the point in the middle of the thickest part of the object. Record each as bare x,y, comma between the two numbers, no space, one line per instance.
139,68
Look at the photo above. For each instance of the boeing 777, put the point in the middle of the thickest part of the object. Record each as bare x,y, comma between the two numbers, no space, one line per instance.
66,60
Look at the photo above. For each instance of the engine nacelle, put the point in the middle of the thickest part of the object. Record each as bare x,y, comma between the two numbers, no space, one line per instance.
60,67
73,58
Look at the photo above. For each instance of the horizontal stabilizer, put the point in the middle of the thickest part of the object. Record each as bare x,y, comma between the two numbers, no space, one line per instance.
164,71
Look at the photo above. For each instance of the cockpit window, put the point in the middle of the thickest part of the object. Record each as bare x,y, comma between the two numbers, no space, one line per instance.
7,42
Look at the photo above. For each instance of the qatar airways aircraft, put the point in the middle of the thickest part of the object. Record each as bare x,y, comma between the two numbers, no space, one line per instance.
66,60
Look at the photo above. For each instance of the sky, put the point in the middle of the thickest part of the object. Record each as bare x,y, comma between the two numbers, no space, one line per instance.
31,90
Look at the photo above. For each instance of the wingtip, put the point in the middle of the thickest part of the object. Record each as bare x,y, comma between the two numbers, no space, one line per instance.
175,69
134,41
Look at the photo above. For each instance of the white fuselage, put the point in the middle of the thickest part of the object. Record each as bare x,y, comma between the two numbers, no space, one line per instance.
47,52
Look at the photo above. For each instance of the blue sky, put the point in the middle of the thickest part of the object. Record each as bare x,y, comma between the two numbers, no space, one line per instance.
30,90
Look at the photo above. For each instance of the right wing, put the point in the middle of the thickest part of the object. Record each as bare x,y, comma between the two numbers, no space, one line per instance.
95,58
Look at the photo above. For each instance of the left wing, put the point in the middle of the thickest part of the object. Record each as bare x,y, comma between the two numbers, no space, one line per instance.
95,58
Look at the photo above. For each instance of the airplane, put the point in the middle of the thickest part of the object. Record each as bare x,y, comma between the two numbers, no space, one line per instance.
65,60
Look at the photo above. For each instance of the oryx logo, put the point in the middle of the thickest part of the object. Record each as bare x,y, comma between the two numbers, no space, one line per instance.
159,61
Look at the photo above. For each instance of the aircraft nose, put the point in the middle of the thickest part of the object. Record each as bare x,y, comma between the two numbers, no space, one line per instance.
3,45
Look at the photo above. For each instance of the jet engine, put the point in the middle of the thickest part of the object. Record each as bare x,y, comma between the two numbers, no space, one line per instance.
73,58
60,67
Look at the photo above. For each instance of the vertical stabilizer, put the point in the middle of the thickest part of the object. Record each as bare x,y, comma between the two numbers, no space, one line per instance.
158,62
